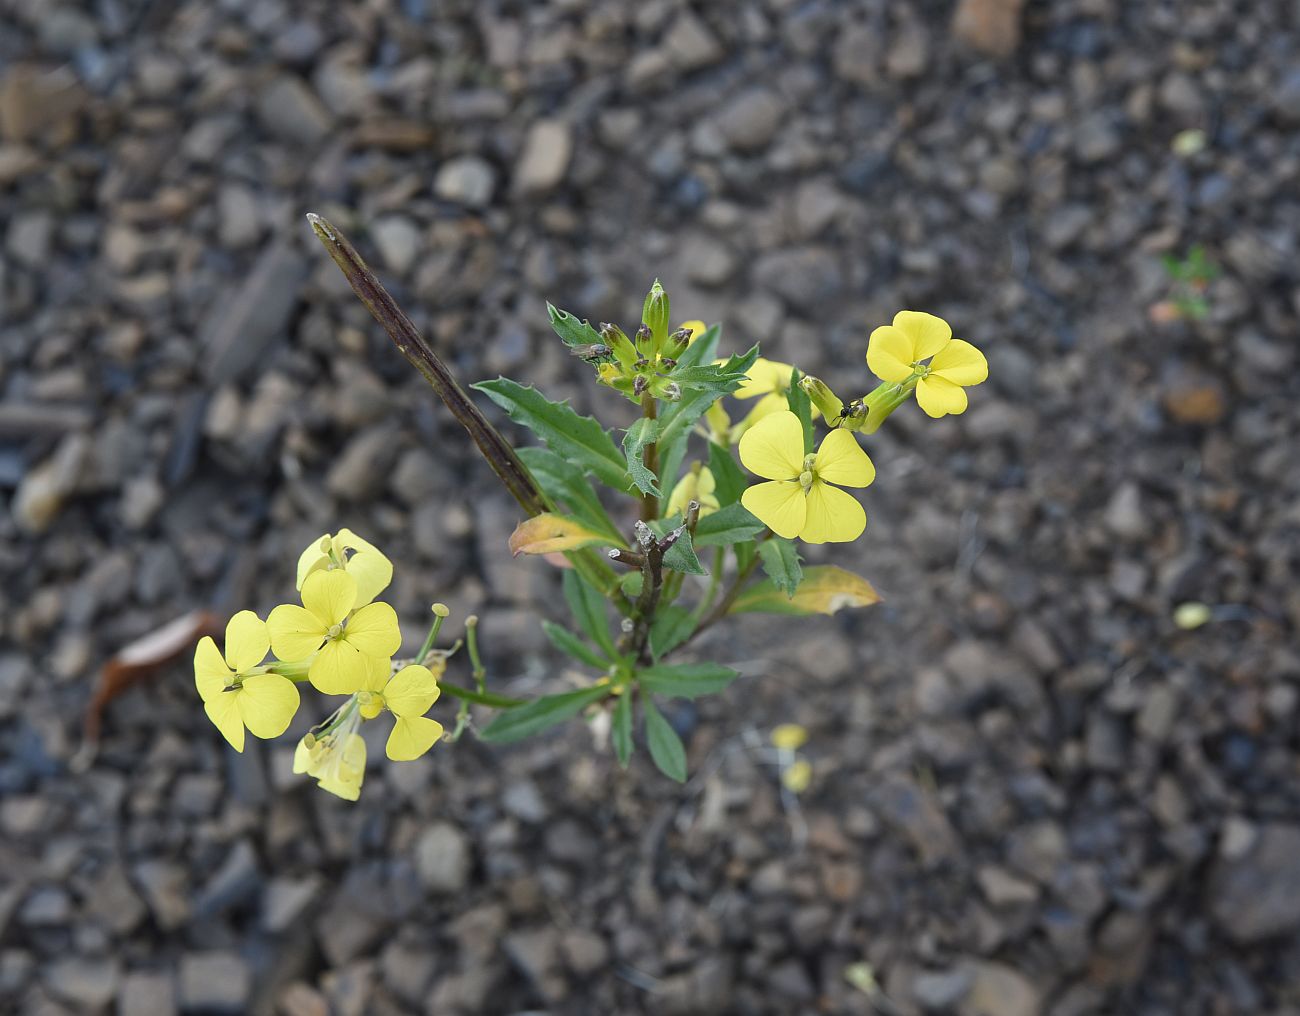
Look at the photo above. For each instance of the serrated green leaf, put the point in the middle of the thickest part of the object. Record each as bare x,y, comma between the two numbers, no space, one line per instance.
730,478
708,377
781,562
579,439
567,642
680,416
570,329
666,747
563,481
547,711
686,680
825,589
672,626
732,524
621,732
588,608
681,556
640,434
797,399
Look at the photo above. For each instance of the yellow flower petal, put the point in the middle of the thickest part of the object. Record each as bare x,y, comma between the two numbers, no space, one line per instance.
779,504
374,630
295,631
372,570
773,447
789,736
316,556
224,712
412,736
926,333
378,670
246,641
267,703
211,675
338,669
342,772
764,378
797,776
833,516
889,354
412,691
841,460
329,595
939,397
961,363
302,757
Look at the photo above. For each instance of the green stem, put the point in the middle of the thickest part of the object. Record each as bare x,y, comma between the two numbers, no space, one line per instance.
650,457
471,640
438,617
715,580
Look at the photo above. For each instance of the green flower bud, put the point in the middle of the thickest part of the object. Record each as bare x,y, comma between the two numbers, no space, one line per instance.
830,404
645,342
655,314
677,343
620,344
873,409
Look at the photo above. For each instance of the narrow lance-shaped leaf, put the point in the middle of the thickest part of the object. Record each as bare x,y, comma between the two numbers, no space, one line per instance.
563,481
551,534
548,711
825,589
672,626
621,731
686,680
666,747
729,477
732,524
588,608
580,439
781,562
567,642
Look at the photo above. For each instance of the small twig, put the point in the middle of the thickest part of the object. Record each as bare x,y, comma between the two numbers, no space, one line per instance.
627,557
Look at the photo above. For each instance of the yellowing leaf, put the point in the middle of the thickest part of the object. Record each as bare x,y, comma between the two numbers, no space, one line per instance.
824,590
550,533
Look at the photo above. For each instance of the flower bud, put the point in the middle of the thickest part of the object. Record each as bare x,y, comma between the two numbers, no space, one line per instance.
645,341
655,314
676,344
830,404
617,340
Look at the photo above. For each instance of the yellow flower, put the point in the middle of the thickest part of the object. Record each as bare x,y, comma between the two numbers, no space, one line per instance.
408,696
354,555
789,737
236,689
895,354
337,760
799,500
797,776
721,432
345,641
697,485
769,382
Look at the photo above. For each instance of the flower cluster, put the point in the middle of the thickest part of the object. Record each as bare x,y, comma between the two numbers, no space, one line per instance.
342,640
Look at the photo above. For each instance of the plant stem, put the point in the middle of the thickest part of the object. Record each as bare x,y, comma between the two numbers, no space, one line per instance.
471,641
429,639
650,456
636,642
715,580
720,611
493,447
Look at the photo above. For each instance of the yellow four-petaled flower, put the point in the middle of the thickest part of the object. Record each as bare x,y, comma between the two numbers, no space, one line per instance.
237,691
896,353
800,501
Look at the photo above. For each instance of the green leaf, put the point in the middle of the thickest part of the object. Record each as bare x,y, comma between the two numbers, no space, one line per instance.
563,481
621,734
483,698
579,439
567,642
666,747
672,626
680,416
797,399
709,377
570,329
781,562
681,556
686,680
631,584
539,714
732,524
730,478
671,454
745,553
640,434
588,608
825,589
550,533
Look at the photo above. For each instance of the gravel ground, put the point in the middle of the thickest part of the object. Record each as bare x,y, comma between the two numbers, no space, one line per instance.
1033,793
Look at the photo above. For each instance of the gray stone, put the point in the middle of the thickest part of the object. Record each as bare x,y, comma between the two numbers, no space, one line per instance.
1003,889
443,858
398,240
89,984
941,989
291,112
241,325
29,237
1096,138
806,278
466,180
584,951
707,261
1286,97
146,993
1255,895
999,990
524,801
363,464
690,44
903,804
239,220
214,981
286,900
751,119
544,159
1124,515
45,488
